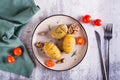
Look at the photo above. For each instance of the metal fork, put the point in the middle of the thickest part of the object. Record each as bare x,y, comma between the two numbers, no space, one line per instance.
108,37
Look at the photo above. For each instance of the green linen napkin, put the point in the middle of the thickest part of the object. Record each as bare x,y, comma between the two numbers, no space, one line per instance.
14,15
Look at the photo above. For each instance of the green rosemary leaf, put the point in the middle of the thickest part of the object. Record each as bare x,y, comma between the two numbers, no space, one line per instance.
57,22
74,53
49,27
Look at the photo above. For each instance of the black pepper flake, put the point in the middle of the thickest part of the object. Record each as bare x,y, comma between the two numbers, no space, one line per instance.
61,50
58,39
43,52
41,49
51,41
63,60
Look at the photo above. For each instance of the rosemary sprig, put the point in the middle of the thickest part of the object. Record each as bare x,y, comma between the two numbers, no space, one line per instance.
49,27
74,53
57,22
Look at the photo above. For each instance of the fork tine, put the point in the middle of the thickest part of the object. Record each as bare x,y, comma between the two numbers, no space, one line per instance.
109,28
108,31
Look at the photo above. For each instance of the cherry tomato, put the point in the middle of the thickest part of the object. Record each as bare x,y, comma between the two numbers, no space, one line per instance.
86,19
97,22
80,40
50,63
11,59
18,51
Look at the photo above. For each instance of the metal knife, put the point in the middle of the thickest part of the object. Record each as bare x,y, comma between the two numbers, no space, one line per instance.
104,73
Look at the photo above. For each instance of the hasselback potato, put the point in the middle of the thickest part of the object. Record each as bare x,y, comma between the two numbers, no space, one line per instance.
68,43
52,51
60,31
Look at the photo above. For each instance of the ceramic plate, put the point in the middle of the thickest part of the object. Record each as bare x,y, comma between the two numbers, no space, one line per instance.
50,23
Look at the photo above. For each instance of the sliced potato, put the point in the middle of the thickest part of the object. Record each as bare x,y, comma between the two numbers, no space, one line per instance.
60,31
52,51
68,43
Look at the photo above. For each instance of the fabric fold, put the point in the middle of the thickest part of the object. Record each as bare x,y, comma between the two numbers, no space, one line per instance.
13,19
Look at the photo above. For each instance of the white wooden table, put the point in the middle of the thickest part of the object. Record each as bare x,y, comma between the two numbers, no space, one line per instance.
89,68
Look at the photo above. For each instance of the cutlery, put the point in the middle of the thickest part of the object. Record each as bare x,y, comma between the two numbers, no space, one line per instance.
100,54
108,37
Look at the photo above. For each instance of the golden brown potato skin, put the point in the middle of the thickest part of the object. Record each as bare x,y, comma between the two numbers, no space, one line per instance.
52,51
68,43
60,31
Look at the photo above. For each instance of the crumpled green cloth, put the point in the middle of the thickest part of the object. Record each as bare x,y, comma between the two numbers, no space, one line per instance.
14,15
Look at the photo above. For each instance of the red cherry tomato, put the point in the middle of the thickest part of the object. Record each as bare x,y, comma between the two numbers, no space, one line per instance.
97,22
50,63
18,51
86,19
11,59
80,40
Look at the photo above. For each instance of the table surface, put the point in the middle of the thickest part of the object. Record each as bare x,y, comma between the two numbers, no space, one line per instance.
89,68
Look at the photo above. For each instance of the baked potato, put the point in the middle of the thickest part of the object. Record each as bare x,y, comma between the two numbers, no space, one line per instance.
68,43
51,50
60,31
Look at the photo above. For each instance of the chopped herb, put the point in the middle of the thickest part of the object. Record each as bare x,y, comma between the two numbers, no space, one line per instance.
49,27
50,40
69,45
59,32
57,22
41,49
61,50
58,39
74,53
43,52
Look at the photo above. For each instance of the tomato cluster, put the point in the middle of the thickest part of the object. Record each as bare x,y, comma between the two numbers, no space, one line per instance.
17,52
87,19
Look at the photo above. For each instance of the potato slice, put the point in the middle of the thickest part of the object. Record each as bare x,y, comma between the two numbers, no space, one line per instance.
51,50
68,43
60,31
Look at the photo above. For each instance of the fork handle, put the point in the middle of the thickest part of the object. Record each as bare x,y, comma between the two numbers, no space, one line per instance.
107,60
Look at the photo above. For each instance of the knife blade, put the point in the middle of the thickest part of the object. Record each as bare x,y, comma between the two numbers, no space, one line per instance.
103,69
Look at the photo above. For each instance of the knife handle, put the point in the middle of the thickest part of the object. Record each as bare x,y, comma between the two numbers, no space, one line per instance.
103,68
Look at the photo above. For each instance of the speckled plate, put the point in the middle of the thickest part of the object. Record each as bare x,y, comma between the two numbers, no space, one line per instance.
52,22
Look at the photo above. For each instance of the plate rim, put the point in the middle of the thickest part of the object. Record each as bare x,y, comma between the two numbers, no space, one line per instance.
73,19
